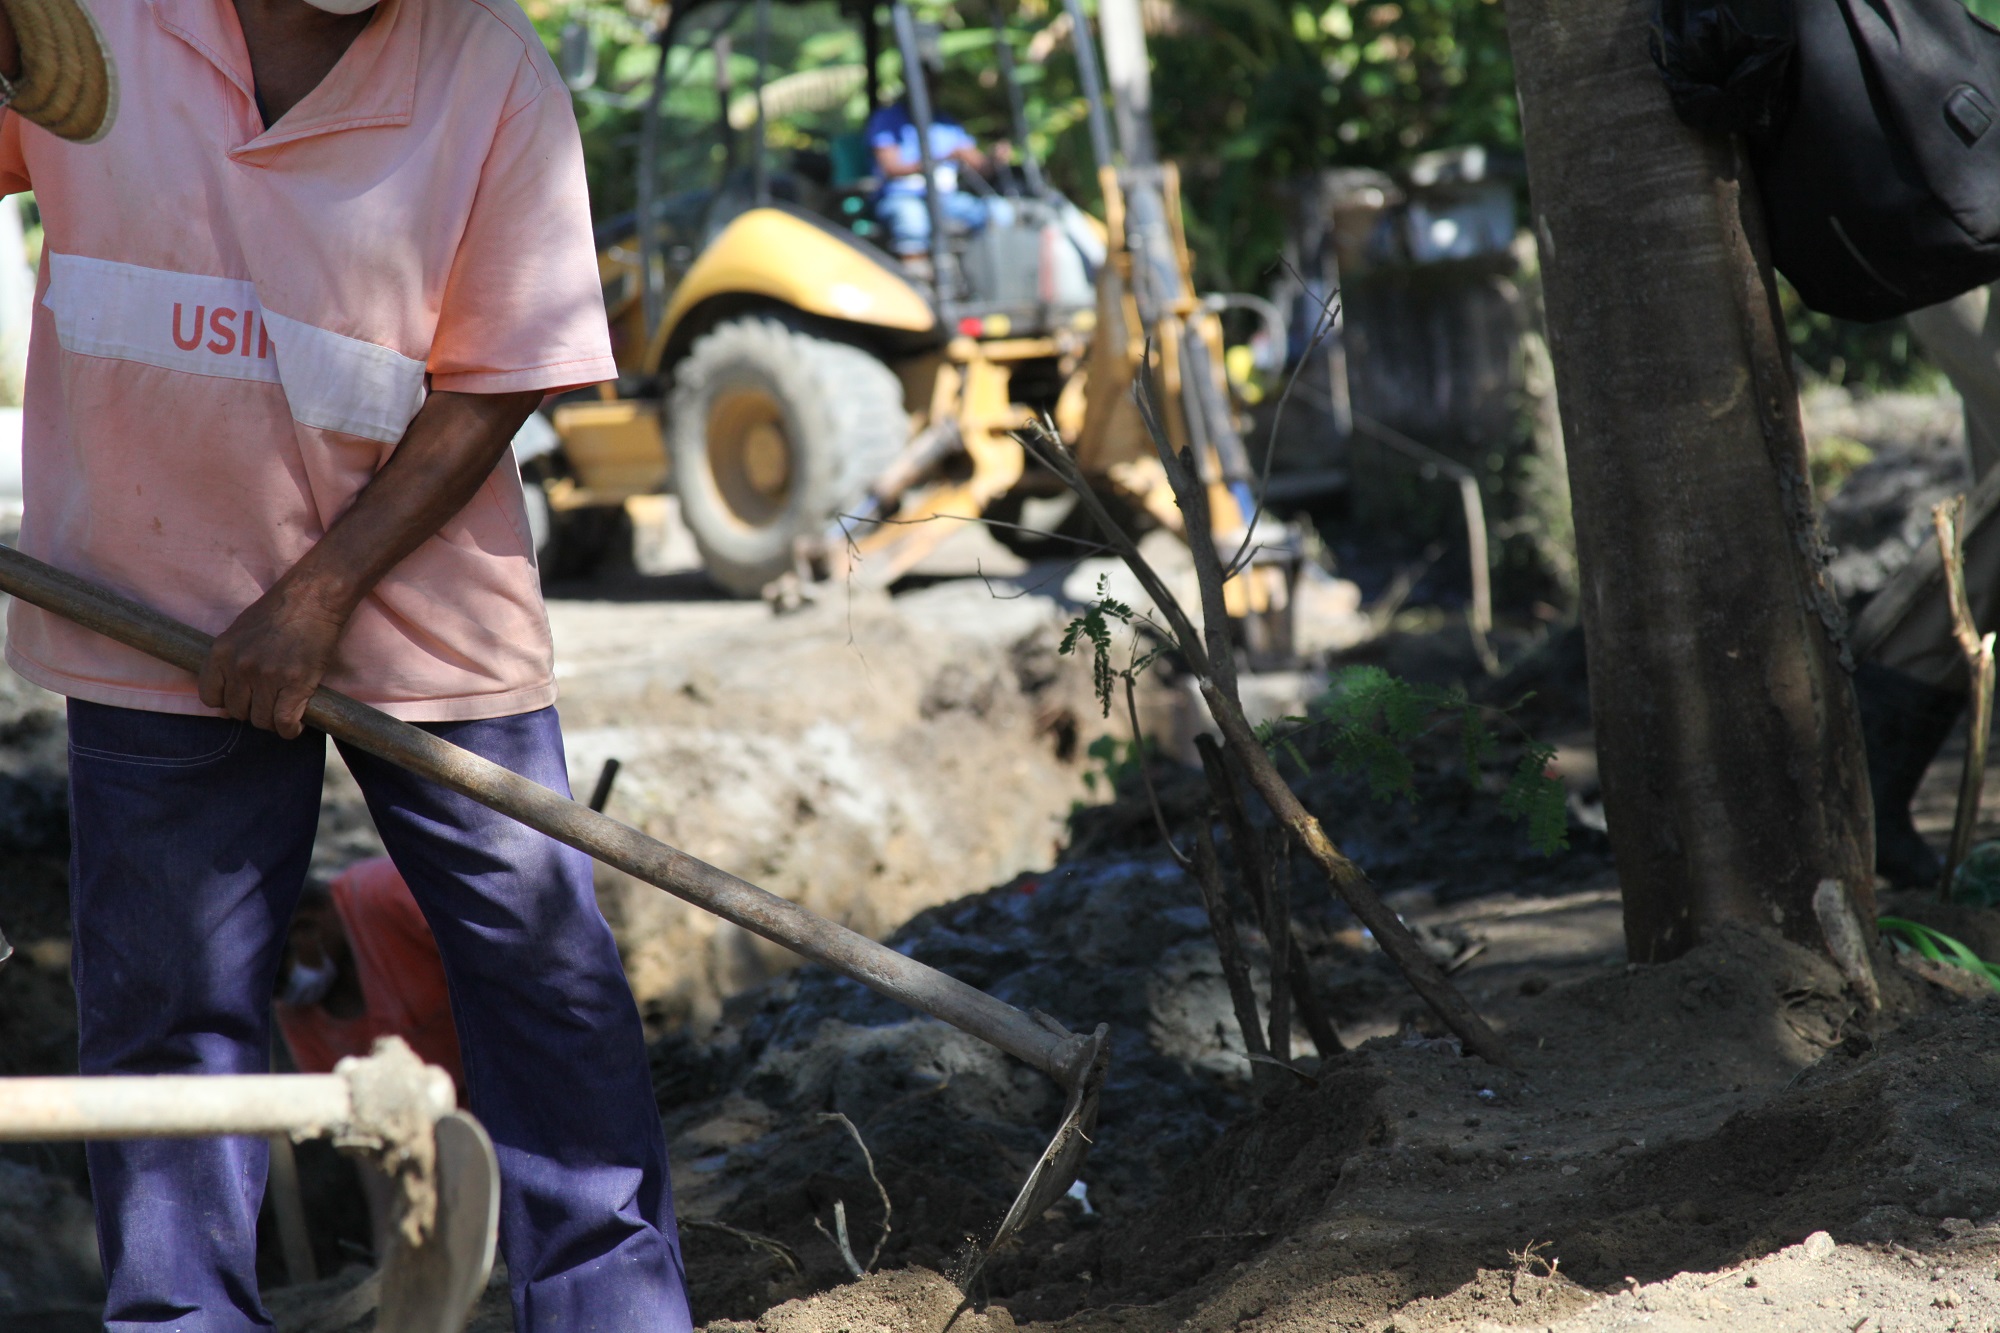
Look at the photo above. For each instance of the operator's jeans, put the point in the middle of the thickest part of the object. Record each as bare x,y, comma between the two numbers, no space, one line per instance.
907,215
191,838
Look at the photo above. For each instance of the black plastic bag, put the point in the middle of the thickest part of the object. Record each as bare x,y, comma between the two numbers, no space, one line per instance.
1726,62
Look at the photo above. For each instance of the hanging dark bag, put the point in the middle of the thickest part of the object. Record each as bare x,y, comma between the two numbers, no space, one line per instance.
1873,138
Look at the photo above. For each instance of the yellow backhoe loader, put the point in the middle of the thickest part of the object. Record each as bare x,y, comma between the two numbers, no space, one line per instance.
820,407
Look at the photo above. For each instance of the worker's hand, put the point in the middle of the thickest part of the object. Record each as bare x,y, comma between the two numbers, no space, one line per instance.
264,668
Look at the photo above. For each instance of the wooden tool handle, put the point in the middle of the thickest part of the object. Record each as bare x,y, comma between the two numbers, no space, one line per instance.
874,965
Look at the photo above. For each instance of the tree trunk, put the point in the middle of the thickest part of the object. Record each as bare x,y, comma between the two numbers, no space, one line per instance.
1727,738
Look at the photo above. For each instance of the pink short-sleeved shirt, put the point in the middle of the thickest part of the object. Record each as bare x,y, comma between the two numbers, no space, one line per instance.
234,326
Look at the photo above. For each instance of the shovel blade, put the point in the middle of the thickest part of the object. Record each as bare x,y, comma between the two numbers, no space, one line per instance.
1057,1168
430,1288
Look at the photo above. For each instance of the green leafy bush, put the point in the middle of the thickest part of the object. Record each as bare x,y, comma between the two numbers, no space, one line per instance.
1368,722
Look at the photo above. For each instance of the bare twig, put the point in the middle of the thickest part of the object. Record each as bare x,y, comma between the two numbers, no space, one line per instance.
838,1237
1325,1037
1253,871
1285,1065
1191,497
1278,930
1043,442
1271,869
868,1159
1978,650
1146,776
1353,887
766,1243
1323,326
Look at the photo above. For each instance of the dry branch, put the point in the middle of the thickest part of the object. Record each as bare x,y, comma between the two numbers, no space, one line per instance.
1978,650
868,1160
1256,869
768,1244
1342,874
1285,956
1222,924
1424,975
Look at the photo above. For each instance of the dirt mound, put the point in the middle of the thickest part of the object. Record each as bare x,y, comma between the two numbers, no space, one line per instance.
910,1299
953,1125
1685,1116
866,757
1699,1116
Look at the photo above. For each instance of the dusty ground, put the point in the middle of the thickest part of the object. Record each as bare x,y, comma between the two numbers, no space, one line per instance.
1726,1140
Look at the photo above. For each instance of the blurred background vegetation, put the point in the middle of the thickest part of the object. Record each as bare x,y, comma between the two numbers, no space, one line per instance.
1251,95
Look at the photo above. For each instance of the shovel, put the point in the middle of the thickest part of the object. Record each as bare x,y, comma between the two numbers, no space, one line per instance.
1076,1062
389,1107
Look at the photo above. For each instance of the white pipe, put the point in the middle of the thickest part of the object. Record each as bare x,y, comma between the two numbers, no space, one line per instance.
172,1106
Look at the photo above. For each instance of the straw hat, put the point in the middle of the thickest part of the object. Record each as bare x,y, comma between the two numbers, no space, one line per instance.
67,85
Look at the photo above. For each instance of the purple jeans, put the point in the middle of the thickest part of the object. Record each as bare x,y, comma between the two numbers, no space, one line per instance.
191,838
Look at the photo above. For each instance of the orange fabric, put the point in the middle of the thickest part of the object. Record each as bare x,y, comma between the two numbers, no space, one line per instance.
402,980
235,325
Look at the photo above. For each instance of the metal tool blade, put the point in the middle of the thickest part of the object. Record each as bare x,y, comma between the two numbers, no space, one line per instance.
1057,1168
430,1288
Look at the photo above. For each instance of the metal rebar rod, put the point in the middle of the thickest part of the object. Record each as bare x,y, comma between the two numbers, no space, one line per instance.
1092,83
760,162
1017,111
917,93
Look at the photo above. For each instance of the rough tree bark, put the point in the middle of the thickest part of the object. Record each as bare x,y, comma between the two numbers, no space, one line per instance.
1728,743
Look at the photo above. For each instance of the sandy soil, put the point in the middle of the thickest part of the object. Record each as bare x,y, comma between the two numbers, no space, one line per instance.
1716,1141
866,757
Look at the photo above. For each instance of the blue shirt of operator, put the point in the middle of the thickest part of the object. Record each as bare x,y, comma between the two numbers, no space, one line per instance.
891,127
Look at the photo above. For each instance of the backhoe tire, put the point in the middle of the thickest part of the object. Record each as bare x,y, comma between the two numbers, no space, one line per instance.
772,433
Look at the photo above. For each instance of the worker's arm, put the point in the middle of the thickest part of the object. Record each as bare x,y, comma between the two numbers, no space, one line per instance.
889,160
265,667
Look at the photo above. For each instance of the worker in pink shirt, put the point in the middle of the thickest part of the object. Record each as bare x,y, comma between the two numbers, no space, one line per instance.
297,295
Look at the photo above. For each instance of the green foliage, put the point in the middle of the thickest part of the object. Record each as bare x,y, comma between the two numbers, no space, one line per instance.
1253,93
1939,947
1248,94
1366,723
1368,720
1538,799
1859,356
1116,762
1093,627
